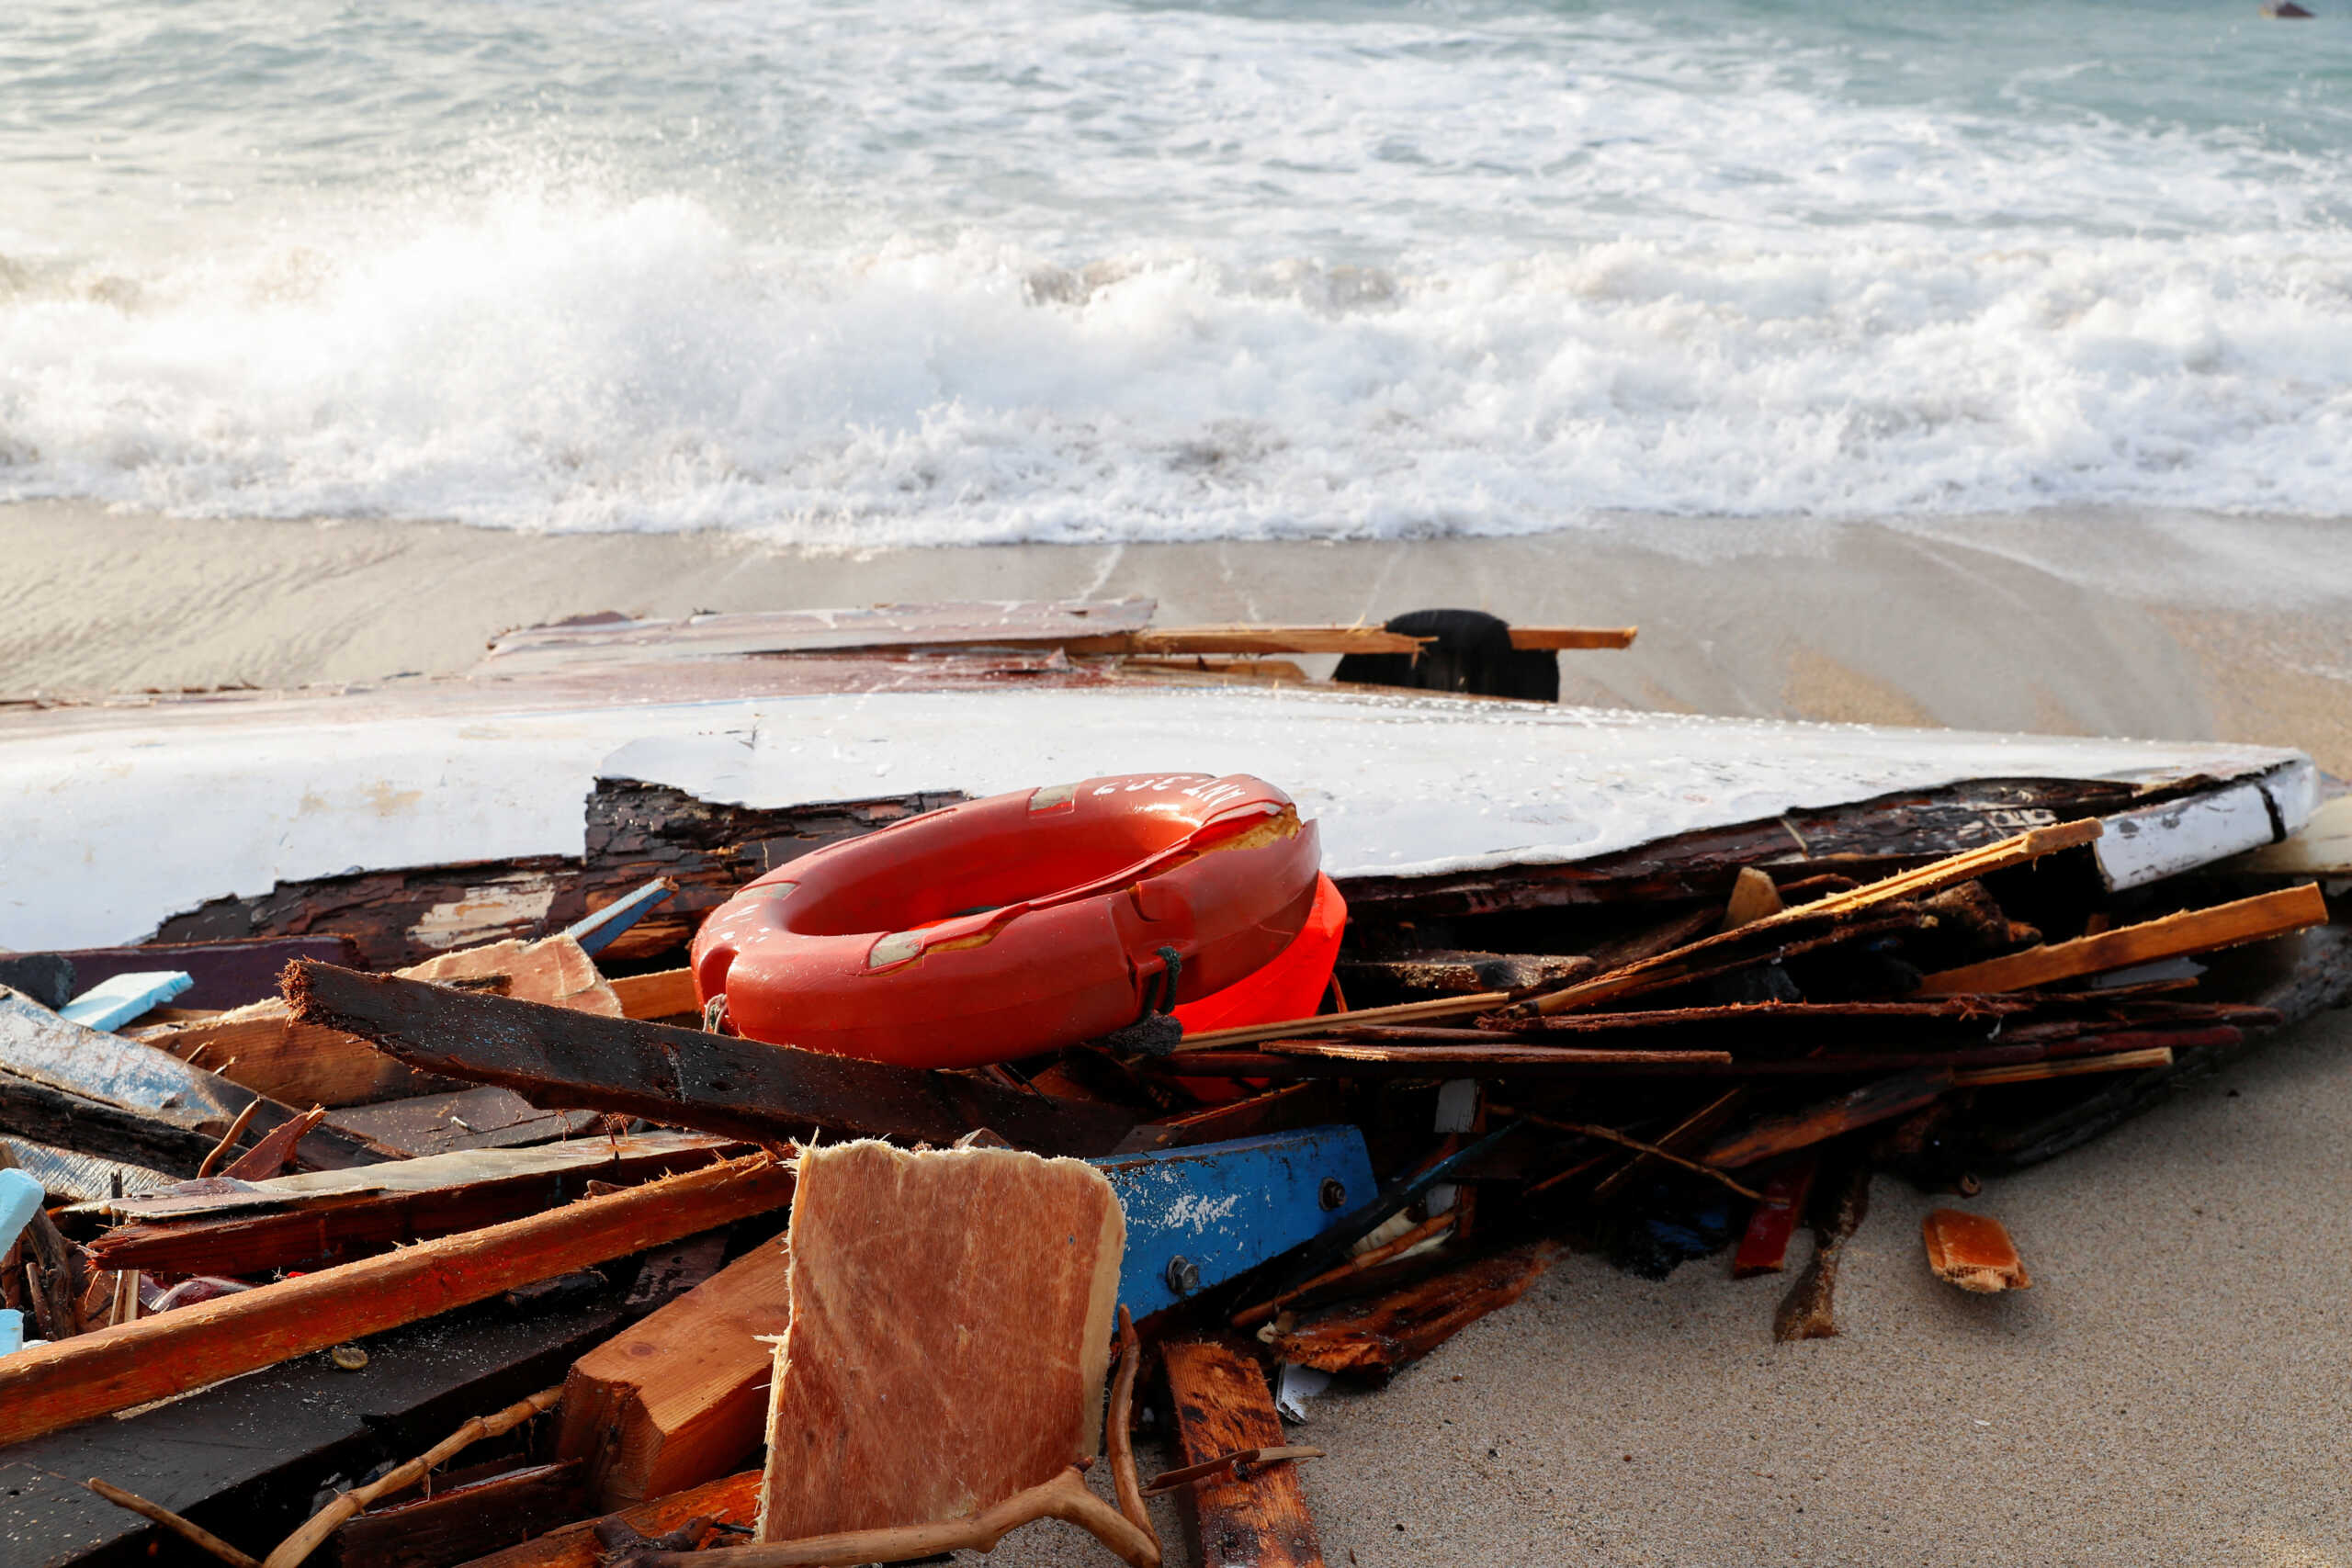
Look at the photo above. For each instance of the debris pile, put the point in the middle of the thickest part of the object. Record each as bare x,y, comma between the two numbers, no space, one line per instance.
519,1255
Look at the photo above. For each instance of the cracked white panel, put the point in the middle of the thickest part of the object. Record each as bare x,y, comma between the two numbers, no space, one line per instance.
105,833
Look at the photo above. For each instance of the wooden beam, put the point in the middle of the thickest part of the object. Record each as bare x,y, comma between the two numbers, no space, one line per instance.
682,1397
1221,1402
683,1077
50,1115
453,1193
2173,936
1564,638
50,1386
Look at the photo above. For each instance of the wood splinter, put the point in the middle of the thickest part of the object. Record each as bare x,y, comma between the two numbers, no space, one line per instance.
193,1533
1974,1252
1240,1462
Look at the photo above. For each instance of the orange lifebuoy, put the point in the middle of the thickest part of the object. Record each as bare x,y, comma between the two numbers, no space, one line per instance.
1002,927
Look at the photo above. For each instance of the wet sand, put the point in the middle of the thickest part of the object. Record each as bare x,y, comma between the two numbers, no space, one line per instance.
2172,1391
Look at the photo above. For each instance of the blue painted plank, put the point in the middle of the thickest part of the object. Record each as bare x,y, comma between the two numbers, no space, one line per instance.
1223,1209
110,1004
597,931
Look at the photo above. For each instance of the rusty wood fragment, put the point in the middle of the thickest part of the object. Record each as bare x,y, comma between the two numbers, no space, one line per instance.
684,1077
2173,936
50,1386
1221,1404
323,1524
1808,1311
2034,1072
1974,1252
195,1534
1240,1462
1764,1245
1381,1336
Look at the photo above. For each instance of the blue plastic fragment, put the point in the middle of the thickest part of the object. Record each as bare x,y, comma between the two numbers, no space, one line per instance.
12,1331
597,931
1197,1217
111,1003
20,1199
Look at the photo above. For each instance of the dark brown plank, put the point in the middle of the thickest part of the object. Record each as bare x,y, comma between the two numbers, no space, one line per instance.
687,1078
463,1522
485,1118
1870,1103
1221,1404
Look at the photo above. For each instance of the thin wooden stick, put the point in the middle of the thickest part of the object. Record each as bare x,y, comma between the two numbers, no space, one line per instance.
2034,1072
1609,1135
1169,1480
1063,1497
324,1523
2173,936
1370,1258
193,1533
229,1139
1119,1440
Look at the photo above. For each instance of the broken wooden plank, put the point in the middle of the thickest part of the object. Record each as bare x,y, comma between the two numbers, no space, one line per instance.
1872,1103
484,1118
55,1117
1458,973
688,1077
665,993
1313,1058
2141,1060
261,1046
436,1196
116,1001
681,1397
52,1386
275,1152
1974,1252
1221,1402
244,1459
1764,1245
733,1501
38,1044
1382,1335
950,1335
70,1176
1316,1103
463,1522
2192,930
224,973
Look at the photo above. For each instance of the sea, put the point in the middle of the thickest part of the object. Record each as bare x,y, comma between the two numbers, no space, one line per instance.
855,274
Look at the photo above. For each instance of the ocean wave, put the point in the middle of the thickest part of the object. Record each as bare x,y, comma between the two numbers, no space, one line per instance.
580,365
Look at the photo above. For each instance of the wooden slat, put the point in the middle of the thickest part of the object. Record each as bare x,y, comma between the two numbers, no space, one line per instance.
682,1397
461,1522
1541,638
683,1077
50,1386
1221,1404
734,1501
2173,936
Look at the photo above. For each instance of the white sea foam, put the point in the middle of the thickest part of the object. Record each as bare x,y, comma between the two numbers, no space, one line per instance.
1075,271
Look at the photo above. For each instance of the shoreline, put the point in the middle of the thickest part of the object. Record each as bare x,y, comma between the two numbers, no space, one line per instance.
1863,622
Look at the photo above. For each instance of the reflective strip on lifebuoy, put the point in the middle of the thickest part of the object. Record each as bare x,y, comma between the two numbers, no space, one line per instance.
1002,927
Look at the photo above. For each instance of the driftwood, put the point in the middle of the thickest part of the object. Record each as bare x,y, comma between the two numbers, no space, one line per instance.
1808,1311
687,1078
195,1535
50,1386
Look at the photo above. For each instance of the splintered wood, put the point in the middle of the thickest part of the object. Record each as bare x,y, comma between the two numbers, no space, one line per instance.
949,1338
1221,1404
1974,1252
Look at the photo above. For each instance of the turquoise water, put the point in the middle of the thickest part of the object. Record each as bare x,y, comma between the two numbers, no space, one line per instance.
869,273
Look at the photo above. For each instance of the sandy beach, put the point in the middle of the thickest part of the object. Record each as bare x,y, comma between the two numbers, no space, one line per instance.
2170,1392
